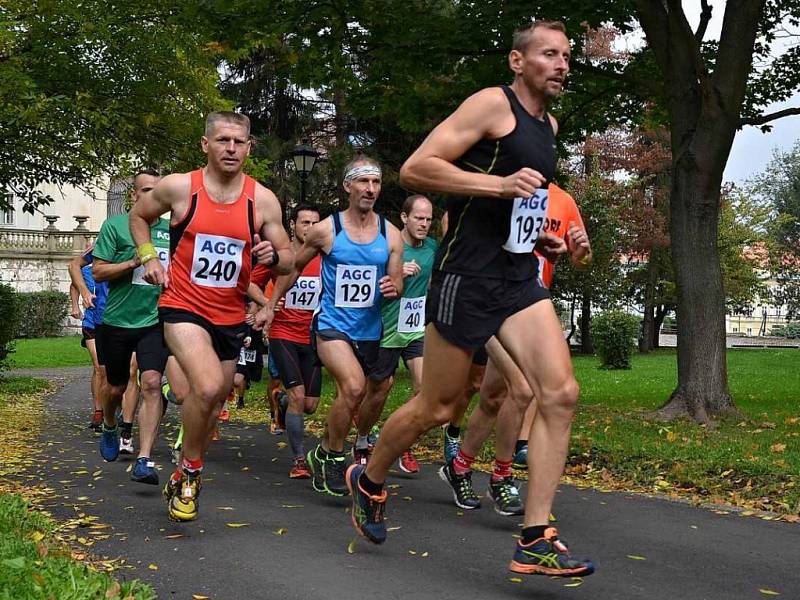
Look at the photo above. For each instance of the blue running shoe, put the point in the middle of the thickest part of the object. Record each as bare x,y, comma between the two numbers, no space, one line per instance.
367,511
548,556
520,460
451,447
144,471
109,443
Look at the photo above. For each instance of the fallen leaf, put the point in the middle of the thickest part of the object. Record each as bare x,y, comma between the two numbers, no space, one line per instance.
224,508
173,536
351,547
414,552
281,445
424,554
37,536
515,580
767,592
152,567
96,473
82,498
130,468
237,525
777,447
199,597
393,528
635,557
281,531
576,581
407,498
291,506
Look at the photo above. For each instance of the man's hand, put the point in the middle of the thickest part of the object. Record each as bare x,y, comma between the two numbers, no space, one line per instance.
263,250
263,319
550,246
153,272
76,312
410,269
88,300
522,184
578,242
387,287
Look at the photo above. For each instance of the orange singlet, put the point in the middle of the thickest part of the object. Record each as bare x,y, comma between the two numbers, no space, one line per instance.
210,264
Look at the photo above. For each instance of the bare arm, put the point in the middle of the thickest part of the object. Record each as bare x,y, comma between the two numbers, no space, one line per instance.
256,295
73,299
76,277
391,284
103,270
486,114
273,237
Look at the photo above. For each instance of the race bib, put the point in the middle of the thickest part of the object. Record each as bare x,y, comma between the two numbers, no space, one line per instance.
304,294
411,318
138,273
527,218
355,286
246,356
217,261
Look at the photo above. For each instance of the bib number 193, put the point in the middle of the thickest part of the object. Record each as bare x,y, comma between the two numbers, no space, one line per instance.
527,218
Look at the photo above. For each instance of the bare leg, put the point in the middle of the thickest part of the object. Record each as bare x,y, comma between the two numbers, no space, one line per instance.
443,380
149,411
130,399
371,407
98,375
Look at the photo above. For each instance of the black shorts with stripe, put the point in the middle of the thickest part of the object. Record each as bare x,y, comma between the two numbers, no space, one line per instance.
298,364
468,310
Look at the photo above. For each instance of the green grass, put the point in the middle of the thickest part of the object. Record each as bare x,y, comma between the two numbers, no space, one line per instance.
40,353
34,565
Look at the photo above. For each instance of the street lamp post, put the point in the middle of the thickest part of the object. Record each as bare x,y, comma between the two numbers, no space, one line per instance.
304,157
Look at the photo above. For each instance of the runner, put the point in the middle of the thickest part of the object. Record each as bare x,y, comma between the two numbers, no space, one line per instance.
130,324
361,258
289,310
494,155
505,394
93,295
403,325
218,216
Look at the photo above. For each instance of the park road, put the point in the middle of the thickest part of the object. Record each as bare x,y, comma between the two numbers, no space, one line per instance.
288,542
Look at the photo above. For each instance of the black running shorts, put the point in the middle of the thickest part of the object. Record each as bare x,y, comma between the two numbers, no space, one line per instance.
468,310
298,364
366,351
115,345
389,359
226,339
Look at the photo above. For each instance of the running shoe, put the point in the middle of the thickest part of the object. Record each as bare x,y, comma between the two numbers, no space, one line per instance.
451,447
183,503
96,424
463,493
314,462
407,463
505,495
334,468
125,445
299,469
367,510
109,443
144,471
224,414
548,556
361,456
171,487
520,460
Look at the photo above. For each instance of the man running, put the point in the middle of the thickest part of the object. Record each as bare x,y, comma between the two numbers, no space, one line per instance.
403,325
130,325
361,260
494,156
290,339
93,295
505,394
218,217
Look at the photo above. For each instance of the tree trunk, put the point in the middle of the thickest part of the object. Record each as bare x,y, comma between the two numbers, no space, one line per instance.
646,340
702,390
587,346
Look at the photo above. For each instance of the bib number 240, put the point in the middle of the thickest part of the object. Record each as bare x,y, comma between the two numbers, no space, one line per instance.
217,261
527,218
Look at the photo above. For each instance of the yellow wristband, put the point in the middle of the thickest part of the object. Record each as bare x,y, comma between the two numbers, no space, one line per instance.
146,252
585,261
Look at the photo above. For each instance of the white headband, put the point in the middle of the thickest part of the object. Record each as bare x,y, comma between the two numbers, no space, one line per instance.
362,171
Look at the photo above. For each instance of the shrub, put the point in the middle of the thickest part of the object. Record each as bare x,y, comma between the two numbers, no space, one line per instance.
615,333
42,313
790,330
9,323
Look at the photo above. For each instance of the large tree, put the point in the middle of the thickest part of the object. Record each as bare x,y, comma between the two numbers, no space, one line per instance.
89,89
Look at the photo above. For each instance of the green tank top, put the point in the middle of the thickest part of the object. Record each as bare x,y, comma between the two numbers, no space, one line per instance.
404,317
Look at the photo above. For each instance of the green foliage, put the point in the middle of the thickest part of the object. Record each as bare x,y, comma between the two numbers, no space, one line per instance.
9,324
615,334
33,565
41,314
88,89
790,330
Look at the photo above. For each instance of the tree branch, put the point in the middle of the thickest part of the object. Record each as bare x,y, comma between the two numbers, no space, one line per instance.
705,17
778,114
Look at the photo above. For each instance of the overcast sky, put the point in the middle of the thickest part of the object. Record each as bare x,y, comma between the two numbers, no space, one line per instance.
752,150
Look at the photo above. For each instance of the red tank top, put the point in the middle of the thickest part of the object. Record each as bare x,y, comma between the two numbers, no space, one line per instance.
210,264
293,321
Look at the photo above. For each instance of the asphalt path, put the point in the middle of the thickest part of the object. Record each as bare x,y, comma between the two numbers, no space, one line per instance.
290,542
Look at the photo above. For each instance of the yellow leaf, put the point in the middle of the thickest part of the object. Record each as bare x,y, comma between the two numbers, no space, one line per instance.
37,536
635,557
224,508
576,581
767,592
351,547
281,531
130,468
82,498
199,597
393,528
281,445
245,468
173,536
414,552
515,580
236,525
152,567
407,498
671,436
96,473
424,554
777,447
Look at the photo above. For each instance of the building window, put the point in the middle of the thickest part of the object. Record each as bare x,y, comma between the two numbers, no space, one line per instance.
735,330
7,216
749,331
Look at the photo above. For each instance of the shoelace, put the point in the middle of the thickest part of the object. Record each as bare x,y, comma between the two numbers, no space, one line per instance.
464,483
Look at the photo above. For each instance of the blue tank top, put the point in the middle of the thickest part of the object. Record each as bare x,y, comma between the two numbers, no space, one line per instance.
350,274
92,317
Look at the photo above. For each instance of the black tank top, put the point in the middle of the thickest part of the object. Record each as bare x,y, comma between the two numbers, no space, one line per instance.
480,227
